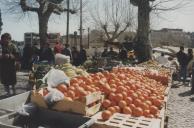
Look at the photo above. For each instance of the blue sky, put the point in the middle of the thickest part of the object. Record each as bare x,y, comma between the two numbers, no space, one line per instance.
182,18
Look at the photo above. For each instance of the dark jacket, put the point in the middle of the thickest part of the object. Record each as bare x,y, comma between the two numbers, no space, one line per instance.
8,68
182,58
123,54
82,56
46,54
66,52
75,58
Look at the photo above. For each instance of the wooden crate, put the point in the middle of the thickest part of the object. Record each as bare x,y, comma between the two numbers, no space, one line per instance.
84,106
126,121
88,105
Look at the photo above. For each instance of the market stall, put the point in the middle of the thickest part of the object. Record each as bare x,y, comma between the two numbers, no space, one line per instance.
131,97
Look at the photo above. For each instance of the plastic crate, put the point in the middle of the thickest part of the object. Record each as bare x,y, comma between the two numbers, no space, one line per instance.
126,121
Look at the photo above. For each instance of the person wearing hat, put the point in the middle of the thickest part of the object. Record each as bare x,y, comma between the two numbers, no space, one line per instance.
8,59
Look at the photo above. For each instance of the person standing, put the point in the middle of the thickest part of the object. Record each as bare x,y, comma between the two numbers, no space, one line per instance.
189,55
58,48
162,59
75,56
123,54
112,54
8,59
105,52
27,57
67,51
46,53
182,59
82,55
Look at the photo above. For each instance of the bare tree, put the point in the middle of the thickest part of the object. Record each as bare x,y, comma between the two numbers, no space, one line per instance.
43,8
145,7
113,17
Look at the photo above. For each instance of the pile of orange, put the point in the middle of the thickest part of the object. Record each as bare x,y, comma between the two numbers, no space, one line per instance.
126,91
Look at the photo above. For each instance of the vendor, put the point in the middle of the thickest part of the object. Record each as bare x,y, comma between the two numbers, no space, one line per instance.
162,59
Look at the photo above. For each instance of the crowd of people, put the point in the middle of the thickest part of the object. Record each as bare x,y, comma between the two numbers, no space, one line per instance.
181,61
184,62
32,54
9,56
122,54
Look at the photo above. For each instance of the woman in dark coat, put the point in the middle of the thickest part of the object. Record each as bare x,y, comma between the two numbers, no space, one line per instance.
8,58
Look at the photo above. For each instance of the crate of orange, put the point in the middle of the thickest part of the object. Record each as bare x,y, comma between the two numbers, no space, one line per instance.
75,100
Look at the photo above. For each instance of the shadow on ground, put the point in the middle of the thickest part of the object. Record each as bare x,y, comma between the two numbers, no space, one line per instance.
187,93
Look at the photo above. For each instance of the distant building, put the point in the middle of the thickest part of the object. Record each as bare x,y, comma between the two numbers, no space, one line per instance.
170,37
31,38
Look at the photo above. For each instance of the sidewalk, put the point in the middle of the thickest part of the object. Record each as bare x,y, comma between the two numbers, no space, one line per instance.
180,107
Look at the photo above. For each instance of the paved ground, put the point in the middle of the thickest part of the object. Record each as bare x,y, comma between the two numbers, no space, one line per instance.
22,84
181,107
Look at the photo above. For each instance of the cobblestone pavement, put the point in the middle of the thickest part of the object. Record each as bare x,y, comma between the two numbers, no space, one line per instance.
180,107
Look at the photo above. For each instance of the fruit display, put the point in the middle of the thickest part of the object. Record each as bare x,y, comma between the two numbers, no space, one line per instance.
70,70
126,90
151,64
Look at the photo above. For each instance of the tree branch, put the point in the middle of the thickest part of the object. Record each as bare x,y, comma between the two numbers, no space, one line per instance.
106,31
124,29
25,7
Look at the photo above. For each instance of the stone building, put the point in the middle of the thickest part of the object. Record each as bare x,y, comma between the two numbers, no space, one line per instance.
170,37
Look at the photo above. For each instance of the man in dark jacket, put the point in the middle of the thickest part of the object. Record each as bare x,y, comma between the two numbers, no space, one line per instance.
67,51
82,55
123,54
105,52
47,54
182,59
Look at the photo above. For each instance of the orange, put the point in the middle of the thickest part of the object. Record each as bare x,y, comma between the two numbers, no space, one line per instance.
71,94
153,110
62,88
127,110
117,108
137,102
157,103
138,111
106,103
118,97
106,114
112,109
122,104
129,100
111,96
146,113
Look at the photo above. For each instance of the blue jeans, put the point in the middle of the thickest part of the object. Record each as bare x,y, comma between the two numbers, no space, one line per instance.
183,72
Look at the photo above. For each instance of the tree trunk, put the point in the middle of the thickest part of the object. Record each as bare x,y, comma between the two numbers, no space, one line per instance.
143,44
43,27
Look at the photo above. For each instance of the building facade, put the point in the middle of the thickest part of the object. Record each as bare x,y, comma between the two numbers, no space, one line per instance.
170,37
